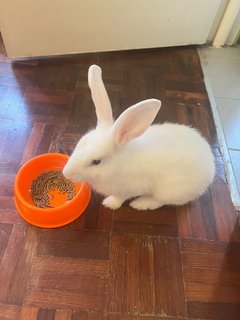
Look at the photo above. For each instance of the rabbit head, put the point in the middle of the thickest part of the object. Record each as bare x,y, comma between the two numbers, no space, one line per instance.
95,155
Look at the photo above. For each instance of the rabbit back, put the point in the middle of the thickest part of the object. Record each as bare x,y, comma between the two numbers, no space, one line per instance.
172,162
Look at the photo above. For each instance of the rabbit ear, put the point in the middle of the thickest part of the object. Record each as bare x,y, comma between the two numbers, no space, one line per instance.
134,121
100,96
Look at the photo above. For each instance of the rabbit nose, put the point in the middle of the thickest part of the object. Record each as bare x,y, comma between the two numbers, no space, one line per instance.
67,172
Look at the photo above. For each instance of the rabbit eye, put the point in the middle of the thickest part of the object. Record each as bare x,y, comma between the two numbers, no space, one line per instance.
96,162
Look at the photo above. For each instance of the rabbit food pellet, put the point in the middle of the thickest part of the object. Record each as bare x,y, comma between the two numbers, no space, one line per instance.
45,183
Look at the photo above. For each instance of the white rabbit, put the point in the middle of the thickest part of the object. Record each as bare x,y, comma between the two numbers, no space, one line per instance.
168,164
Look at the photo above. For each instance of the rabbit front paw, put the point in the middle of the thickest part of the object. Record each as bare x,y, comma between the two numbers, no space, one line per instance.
112,202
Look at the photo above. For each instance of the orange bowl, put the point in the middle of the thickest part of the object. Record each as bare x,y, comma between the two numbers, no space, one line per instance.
63,212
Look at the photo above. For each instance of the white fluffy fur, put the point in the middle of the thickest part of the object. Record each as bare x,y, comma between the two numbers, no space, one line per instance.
167,164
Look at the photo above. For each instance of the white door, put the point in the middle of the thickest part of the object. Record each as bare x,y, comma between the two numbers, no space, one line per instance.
40,28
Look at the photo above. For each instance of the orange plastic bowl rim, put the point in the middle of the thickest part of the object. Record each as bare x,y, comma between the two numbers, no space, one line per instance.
47,217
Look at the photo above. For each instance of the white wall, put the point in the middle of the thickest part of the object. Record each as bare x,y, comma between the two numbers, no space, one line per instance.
49,27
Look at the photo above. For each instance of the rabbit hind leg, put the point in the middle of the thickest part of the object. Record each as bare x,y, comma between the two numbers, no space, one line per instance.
146,203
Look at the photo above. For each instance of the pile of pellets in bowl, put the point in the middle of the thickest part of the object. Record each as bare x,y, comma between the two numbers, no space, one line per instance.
45,183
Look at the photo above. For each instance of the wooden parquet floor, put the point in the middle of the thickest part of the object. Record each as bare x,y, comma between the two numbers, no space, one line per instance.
168,264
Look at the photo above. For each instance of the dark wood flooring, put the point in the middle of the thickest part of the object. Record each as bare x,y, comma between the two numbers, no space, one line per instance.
171,263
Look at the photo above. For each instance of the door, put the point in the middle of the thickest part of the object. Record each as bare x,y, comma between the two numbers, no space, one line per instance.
41,28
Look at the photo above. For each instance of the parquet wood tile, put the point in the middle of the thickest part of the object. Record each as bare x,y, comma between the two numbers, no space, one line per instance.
5,231
213,310
10,217
65,314
143,266
127,317
157,222
9,312
16,264
173,263
46,314
28,313
74,243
